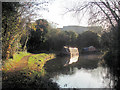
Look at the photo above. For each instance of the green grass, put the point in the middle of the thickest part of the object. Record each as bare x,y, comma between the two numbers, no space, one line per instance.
12,61
18,56
40,58
35,62
29,74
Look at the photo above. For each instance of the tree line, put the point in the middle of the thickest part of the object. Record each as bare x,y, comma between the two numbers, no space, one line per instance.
20,34
43,37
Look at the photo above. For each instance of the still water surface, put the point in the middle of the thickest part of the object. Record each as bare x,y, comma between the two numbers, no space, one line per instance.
78,72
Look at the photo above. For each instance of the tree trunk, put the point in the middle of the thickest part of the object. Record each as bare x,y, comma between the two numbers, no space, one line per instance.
24,48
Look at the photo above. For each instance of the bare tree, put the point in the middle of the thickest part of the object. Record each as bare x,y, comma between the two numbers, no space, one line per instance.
102,12
107,14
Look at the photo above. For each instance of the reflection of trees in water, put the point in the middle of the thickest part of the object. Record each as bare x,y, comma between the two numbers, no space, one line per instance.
99,74
114,69
103,75
88,62
87,78
57,66
114,77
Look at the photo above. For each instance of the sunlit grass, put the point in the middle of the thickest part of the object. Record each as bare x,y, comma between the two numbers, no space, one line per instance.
35,62
12,62
39,58
18,56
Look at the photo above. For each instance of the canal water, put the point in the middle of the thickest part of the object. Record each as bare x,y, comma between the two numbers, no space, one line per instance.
81,71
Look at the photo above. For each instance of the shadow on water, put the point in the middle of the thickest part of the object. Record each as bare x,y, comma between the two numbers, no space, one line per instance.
78,72
60,64
112,60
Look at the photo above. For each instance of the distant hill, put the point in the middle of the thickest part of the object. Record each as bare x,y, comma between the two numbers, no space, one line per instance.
81,29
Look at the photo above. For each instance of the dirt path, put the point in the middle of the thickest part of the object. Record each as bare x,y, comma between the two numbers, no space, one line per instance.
21,64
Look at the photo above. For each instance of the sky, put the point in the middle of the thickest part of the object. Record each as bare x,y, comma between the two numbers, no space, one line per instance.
57,14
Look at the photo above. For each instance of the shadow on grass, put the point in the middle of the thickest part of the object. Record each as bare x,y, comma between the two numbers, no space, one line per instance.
19,80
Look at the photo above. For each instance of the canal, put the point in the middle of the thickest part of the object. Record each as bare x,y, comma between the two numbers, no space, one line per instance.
82,71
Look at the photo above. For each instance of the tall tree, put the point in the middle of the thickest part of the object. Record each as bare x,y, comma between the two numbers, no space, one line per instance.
38,35
9,25
16,16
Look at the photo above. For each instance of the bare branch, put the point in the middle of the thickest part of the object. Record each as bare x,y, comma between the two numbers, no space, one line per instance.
105,14
111,10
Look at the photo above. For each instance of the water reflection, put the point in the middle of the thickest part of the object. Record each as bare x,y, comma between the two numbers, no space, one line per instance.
82,78
78,72
71,60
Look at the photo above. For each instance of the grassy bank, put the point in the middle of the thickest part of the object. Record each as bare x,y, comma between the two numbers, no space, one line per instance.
36,63
33,62
8,64
26,70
